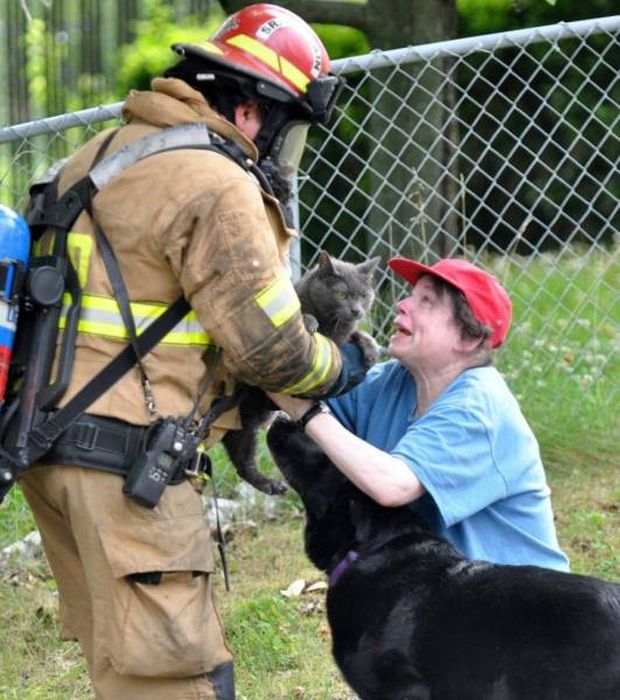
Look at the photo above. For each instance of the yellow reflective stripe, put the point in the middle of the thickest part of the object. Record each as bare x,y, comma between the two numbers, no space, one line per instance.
109,304
321,364
270,58
210,47
279,300
294,75
80,248
255,48
100,316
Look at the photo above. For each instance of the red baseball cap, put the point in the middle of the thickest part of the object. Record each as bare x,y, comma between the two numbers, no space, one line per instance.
488,300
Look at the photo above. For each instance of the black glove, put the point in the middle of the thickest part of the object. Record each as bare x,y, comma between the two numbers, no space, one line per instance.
354,368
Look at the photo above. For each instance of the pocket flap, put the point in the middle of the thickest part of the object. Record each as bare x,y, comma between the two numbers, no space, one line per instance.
173,544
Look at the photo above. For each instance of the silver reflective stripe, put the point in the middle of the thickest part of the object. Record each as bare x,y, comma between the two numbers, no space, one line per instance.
183,136
49,175
279,300
99,316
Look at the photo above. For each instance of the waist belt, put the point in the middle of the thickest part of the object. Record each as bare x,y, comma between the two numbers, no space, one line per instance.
106,444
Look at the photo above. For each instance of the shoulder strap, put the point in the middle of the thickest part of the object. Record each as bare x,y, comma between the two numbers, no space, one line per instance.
122,298
170,139
37,394
46,209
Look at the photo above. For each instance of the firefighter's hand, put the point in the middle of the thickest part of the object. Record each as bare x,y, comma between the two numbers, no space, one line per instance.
354,368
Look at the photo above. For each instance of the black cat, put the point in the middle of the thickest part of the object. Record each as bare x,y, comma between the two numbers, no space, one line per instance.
334,297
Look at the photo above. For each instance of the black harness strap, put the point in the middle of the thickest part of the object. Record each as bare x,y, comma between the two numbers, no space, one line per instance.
49,211
41,438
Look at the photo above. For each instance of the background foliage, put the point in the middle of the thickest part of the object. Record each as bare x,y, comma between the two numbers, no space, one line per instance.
72,54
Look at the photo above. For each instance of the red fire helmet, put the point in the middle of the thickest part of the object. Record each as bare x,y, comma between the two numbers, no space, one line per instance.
276,49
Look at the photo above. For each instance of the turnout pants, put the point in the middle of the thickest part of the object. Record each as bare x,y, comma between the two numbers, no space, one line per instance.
135,585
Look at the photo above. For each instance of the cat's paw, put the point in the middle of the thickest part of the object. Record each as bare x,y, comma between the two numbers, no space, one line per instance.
310,322
371,350
272,487
277,488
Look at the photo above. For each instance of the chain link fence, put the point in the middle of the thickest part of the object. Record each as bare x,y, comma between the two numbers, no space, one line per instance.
502,148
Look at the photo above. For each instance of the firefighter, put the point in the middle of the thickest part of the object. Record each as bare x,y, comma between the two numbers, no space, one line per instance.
135,583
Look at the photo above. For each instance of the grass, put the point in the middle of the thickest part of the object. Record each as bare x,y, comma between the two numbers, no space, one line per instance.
562,361
562,356
282,645
15,518
586,497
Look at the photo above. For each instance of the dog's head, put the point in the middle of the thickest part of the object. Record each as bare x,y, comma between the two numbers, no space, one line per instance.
325,492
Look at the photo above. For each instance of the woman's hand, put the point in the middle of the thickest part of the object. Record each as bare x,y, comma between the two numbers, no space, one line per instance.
292,405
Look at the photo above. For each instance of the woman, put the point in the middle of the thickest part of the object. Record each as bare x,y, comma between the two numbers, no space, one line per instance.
437,426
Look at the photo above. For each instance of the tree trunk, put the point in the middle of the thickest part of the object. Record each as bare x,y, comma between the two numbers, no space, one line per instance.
409,161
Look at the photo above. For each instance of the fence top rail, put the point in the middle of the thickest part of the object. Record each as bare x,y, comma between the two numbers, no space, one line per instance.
376,59
45,125
483,42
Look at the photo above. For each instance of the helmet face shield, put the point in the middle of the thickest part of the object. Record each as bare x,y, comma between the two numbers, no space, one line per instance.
281,163
288,148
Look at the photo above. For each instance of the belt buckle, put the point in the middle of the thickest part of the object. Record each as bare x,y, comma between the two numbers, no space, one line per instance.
201,466
86,438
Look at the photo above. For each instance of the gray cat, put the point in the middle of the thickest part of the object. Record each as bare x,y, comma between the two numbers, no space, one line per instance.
334,296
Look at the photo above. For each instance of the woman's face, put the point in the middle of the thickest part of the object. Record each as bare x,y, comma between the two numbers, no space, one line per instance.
426,336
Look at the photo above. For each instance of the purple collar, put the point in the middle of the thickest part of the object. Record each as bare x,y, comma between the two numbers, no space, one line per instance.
341,567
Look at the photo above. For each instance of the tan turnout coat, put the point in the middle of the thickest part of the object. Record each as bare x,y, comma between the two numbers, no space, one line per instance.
193,222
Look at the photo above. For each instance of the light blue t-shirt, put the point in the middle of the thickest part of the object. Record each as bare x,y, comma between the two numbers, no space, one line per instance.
474,453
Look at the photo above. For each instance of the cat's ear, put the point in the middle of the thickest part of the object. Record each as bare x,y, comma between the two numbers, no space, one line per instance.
325,262
369,267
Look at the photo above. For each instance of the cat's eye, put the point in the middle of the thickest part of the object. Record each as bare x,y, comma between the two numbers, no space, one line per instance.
340,295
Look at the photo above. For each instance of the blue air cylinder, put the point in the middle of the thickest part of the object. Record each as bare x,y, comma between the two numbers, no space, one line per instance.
14,253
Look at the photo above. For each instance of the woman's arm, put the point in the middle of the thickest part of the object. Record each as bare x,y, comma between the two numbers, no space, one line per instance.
384,478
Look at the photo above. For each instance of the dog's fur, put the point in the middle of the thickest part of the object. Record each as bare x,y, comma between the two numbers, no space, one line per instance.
412,619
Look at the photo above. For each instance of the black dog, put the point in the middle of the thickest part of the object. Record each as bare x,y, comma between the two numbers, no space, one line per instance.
412,619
